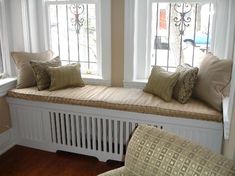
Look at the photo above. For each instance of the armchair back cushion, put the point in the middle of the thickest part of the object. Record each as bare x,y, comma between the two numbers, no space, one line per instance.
152,151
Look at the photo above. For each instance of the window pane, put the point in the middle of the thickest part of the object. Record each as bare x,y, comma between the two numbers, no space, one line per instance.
181,33
1,61
72,30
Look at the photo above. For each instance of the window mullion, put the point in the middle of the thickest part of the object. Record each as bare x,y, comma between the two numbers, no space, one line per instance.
88,43
169,34
208,28
194,36
68,39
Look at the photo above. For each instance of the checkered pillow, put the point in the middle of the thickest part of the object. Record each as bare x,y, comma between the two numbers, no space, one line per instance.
152,151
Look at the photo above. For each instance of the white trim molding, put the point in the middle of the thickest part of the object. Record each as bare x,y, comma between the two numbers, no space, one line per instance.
106,43
4,34
226,117
6,84
129,41
51,125
6,141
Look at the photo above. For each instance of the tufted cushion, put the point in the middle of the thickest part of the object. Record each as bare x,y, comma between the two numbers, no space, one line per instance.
152,152
161,83
185,84
118,98
41,74
22,60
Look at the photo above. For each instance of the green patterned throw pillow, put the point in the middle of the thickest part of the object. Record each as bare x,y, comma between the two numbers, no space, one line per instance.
185,84
41,74
65,76
161,83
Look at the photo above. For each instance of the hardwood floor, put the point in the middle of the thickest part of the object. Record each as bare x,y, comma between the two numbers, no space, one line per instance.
22,161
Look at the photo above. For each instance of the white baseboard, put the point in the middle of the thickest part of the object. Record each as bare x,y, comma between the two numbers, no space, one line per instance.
6,141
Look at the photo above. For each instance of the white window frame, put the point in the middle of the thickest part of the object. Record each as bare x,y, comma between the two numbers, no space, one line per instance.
104,38
4,40
6,83
135,73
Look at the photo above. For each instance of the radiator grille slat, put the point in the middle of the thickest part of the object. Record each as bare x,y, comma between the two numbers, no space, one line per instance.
67,130
63,129
83,132
92,133
58,128
99,134
88,127
105,135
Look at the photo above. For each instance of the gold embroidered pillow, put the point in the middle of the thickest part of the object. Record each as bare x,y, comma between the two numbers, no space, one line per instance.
161,83
65,76
185,84
25,76
41,74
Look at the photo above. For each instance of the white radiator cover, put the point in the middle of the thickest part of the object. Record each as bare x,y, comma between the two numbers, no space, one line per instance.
98,132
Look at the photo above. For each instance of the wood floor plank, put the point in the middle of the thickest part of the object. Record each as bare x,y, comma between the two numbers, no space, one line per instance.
22,161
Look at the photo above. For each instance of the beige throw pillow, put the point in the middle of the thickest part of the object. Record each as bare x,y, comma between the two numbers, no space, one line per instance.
65,76
161,83
213,77
25,72
41,74
185,84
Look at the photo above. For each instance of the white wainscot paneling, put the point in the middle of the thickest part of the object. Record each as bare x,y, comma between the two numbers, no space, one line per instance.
97,132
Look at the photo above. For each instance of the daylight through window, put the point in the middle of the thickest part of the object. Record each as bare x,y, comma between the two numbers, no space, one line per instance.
180,33
1,61
73,34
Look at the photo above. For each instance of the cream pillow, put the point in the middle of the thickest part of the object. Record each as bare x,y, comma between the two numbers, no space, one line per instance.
25,77
213,77
65,76
161,83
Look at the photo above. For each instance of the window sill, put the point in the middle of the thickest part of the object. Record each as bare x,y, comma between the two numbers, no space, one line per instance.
140,83
226,118
95,80
6,84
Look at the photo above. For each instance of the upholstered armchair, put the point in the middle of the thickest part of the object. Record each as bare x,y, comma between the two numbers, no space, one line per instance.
154,152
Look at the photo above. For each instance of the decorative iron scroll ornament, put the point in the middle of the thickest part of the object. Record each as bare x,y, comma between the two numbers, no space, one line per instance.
77,21
182,21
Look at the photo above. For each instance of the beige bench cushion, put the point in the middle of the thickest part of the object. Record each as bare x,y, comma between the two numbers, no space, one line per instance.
125,99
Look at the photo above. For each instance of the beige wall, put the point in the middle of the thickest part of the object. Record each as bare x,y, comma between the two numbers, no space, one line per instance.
4,115
117,21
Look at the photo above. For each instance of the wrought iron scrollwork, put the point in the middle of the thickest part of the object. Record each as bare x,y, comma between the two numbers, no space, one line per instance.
182,21
77,21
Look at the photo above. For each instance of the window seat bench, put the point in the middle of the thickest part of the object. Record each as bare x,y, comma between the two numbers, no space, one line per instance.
98,120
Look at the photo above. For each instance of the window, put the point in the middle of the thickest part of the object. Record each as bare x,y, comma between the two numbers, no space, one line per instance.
1,61
166,34
180,33
74,34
